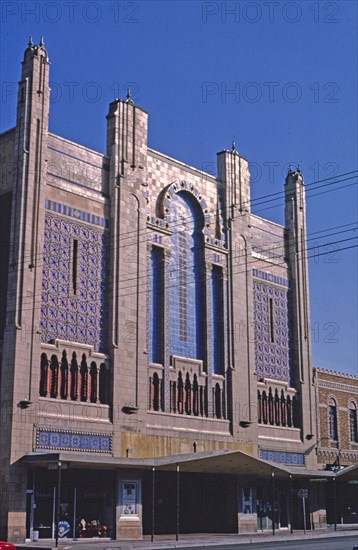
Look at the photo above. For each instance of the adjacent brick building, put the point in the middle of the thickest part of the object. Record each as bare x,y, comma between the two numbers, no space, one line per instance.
155,332
337,404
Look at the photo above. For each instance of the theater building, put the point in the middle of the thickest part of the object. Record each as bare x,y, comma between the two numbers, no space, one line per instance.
155,337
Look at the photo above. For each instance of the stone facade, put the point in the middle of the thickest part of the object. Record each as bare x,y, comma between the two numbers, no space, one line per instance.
146,313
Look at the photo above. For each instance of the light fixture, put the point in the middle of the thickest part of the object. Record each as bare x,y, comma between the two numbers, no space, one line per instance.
245,423
24,403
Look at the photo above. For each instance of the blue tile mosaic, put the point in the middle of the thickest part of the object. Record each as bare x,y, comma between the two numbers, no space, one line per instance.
156,339
77,214
270,278
218,320
283,457
67,440
272,331
186,276
74,313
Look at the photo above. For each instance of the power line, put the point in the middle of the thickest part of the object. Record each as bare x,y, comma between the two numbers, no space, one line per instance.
145,230
251,261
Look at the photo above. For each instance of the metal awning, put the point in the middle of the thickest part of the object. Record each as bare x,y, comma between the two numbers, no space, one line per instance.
209,462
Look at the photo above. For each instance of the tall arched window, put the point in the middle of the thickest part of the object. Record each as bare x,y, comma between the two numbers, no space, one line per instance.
156,339
332,420
187,278
352,411
218,319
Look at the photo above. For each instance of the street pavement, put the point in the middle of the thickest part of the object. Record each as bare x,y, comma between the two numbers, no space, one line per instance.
312,540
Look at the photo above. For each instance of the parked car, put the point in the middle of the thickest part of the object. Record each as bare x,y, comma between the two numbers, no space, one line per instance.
7,546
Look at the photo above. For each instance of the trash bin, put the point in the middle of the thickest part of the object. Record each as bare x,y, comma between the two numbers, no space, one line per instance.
35,536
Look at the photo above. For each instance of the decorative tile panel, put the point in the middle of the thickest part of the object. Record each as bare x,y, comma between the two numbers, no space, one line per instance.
76,213
283,457
68,440
75,316
271,278
272,336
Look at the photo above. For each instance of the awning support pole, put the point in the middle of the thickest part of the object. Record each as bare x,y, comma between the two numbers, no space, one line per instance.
335,503
153,504
74,512
273,502
58,501
178,504
291,506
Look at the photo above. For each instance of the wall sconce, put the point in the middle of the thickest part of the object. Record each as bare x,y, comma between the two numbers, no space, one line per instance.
24,404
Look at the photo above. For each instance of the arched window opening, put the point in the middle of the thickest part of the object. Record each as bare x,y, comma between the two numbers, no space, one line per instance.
195,396
289,411
203,404
44,375
352,411
187,395
270,407
174,397
187,294
277,409
155,391
84,379
259,407
74,378
180,406
54,368
264,407
218,320
283,408
64,376
156,296
217,401
332,420
93,383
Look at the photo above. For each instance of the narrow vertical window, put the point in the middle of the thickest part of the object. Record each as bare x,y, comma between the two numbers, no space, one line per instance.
183,319
218,320
156,351
272,338
332,420
74,265
353,435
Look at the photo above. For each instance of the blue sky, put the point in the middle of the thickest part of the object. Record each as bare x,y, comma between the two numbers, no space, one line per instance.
278,77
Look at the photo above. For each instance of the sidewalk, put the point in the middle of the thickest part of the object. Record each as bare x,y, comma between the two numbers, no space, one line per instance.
199,540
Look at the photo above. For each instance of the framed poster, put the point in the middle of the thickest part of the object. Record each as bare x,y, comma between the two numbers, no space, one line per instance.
129,498
247,500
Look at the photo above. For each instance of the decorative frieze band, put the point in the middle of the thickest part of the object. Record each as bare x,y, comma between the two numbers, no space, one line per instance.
68,440
271,278
283,457
338,386
76,213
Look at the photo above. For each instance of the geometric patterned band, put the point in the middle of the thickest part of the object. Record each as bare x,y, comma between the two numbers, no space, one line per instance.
283,457
76,213
68,440
270,278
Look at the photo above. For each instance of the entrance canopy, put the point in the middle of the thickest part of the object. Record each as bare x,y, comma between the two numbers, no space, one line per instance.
210,462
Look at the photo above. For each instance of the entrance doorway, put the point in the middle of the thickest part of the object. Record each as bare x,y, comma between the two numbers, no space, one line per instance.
208,504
